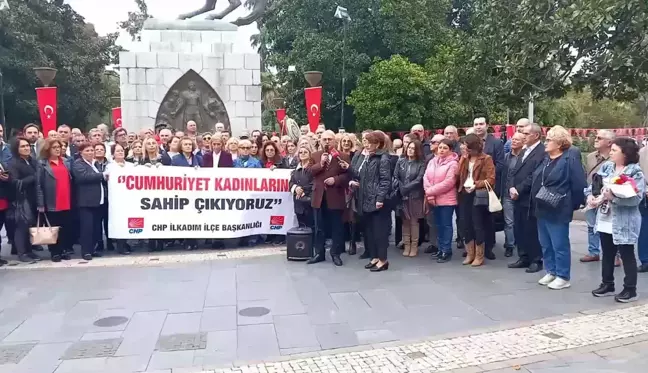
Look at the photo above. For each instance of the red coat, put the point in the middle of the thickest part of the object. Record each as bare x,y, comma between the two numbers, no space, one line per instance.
335,194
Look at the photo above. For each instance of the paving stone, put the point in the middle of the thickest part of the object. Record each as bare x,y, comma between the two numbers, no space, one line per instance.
257,342
142,333
182,323
171,360
182,342
218,318
335,336
295,331
92,349
13,354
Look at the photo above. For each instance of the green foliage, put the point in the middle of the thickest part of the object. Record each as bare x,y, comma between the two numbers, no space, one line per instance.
304,33
133,25
394,95
542,48
51,33
582,111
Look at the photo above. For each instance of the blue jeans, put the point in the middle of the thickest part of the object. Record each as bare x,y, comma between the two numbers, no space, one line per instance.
509,218
556,249
443,220
593,239
642,244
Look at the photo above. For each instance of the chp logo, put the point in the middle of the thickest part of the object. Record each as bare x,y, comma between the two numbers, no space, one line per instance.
135,225
276,222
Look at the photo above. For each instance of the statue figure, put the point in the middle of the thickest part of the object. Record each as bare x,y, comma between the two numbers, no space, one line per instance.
258,8
214,106
190,102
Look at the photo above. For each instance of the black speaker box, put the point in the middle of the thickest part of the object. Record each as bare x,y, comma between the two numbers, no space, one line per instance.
299,243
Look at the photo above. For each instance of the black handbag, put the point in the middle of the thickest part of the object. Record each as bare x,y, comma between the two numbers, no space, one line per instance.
481,197
20,210
547,196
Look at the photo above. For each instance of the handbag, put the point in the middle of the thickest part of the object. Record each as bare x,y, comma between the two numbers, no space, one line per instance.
481,197
494,204
548,197
46,235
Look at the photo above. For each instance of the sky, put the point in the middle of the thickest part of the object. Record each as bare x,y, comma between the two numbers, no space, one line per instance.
105,17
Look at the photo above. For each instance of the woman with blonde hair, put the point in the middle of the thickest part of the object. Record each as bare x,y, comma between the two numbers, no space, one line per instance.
136,152
556,191
232,147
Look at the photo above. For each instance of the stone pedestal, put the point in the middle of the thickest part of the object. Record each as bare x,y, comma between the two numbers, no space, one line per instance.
168,51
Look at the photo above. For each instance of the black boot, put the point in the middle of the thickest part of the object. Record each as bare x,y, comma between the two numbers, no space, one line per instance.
352,247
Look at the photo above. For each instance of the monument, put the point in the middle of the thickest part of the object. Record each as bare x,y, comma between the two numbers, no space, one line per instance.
185,70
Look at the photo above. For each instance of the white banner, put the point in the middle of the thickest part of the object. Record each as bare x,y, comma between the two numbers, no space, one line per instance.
183,202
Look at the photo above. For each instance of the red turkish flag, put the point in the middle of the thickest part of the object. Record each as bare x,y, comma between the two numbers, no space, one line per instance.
46,98
281,119
313,102
117,117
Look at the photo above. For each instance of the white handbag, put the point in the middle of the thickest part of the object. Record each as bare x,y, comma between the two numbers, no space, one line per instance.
494,204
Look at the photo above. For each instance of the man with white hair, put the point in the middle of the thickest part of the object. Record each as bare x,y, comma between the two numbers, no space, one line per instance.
304,130
495,149
593,163
220,127
452,133
519,128
419,131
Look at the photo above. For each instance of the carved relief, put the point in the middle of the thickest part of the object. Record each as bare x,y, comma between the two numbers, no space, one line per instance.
192,98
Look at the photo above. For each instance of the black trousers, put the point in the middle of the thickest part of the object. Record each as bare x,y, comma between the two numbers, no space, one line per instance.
398,229
90,228
333,218
376,232
103,229
21,240
8,224
628,258
474,219
61,219
526,228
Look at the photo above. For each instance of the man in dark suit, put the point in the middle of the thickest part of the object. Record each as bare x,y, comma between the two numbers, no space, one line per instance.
495,148
223,158
526,226
330,182
91,193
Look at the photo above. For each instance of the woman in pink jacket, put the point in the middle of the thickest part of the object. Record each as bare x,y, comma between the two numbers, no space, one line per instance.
441,195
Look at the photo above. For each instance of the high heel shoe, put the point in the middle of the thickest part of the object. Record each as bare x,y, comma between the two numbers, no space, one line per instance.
384,267
371,265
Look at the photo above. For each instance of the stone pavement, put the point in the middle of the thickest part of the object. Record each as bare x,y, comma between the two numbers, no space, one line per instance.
142,315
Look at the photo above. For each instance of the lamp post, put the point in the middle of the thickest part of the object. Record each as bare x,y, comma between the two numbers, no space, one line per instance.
2,109
343,14
313,96
47,98
45,74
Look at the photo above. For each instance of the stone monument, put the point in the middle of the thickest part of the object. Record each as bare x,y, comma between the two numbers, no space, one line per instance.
185,70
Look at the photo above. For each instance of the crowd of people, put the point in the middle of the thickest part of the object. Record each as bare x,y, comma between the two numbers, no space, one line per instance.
358,189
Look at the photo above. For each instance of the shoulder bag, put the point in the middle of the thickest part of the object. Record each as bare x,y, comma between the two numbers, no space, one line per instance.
550,197
494,204
46,235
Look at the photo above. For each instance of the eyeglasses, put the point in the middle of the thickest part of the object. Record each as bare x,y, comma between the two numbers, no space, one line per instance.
206,138
244,147
526,133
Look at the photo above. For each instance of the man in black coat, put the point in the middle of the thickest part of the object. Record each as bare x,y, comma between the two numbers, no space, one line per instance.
495,148
526,226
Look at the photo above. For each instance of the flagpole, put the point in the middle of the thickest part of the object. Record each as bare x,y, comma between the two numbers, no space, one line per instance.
343,70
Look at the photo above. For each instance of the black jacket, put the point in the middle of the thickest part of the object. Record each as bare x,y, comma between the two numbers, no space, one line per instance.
523,174
303,178
88,185
374,178
22,175
495,148
5,186
409,176
46,184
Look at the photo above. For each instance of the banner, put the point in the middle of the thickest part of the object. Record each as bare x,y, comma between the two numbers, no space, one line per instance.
313,97
46,98
182,202
117,117
281,119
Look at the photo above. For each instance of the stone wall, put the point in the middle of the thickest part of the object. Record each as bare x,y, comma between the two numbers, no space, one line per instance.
163,56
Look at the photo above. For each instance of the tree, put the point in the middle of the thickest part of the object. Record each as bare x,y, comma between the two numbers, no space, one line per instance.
133,25
394,95
542,48
51,33
305,34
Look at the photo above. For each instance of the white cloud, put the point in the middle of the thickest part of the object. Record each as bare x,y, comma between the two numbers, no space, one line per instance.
105,14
